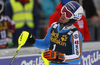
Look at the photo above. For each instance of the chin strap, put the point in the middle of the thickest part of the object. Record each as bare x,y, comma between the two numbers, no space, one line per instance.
65,24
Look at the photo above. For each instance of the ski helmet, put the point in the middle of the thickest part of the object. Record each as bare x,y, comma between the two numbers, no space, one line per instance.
72,10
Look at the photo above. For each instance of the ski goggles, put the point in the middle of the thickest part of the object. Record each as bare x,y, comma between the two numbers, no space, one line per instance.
66,12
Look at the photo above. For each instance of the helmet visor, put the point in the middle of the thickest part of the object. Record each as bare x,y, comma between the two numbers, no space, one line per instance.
67,13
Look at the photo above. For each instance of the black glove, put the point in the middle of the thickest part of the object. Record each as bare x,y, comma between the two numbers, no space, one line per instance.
31,39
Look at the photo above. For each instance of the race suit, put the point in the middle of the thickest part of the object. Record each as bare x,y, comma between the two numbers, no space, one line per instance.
67,41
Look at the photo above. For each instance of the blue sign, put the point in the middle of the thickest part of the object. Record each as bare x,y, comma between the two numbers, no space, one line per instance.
91,58
29,60
88,58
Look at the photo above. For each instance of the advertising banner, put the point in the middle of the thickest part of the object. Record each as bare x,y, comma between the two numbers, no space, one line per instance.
26,60
88,58
91,58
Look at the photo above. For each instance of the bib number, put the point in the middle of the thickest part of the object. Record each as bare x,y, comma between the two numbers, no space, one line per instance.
54,47
3,34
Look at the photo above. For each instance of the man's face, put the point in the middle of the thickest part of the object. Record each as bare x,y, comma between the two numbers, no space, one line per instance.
63,19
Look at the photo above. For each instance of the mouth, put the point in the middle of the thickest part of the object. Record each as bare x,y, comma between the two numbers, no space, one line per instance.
62,18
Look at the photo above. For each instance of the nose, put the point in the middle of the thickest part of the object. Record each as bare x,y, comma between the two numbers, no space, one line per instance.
63,15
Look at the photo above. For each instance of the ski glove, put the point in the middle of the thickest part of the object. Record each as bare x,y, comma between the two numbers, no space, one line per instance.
50,54
61,56
54,56
31,39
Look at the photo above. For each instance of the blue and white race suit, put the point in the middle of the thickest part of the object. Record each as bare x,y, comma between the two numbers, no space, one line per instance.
67,41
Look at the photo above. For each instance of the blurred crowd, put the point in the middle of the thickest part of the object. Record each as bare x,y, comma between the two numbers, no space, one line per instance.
36,16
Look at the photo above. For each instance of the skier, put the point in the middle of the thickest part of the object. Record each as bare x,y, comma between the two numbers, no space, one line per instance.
63,42
81,24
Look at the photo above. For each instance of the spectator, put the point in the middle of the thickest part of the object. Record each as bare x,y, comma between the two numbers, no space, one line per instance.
90,10
91,16
48,7
26,15
6,26
81,24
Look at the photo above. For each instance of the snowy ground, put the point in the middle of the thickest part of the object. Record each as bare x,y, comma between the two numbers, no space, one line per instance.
22,51
33,50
